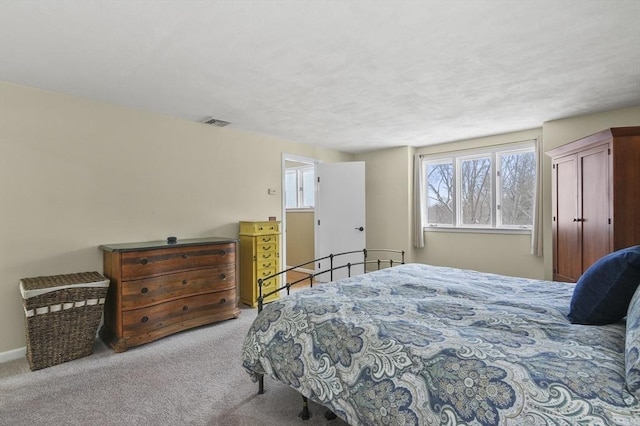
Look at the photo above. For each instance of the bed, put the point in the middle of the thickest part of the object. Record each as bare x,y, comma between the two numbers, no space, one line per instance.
425,345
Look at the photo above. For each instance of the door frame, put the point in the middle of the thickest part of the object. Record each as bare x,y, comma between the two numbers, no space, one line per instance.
283,209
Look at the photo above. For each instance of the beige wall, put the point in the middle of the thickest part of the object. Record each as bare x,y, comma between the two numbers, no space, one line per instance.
389,201
507,254
389,216
388,198
300,238
75,174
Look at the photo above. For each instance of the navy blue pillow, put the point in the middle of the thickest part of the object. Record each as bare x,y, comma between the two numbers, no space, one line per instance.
603,292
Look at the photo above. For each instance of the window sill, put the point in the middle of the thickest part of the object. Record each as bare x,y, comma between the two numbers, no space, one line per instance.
476,230
299,210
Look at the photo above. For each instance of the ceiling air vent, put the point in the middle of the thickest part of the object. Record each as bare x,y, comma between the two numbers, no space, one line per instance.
215,122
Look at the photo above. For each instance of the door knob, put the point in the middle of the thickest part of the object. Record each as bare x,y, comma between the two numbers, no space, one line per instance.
360,229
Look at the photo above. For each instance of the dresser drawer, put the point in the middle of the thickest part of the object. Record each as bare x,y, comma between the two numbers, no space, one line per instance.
259,228
152,318
266,247
265,272
271,262
270,286
148,291
268,239
149,263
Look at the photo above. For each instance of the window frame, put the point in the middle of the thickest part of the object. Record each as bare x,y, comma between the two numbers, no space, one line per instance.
495,153
299,171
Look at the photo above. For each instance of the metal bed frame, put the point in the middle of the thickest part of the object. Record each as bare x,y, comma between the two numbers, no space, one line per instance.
379,263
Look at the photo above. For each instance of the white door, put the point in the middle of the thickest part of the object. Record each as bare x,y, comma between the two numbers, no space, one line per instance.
340,216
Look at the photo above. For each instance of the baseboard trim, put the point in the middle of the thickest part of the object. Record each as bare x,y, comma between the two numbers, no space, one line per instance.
305,270
13,354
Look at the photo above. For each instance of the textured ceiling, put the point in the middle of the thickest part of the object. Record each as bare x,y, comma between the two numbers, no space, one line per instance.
349,75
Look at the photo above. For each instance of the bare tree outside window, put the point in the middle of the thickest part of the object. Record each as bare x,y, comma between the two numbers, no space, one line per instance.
475,176
440,193
518,177
460,188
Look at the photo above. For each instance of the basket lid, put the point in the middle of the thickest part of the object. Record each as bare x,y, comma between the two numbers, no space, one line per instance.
32,287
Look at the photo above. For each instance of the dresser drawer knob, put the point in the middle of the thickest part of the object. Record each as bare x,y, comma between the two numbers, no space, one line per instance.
184,256
223,301
223,252
185,308
184,282
222,276
144,261
144,290
144,319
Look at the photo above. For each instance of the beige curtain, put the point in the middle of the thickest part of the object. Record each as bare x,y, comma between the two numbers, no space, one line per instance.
536,230
418,196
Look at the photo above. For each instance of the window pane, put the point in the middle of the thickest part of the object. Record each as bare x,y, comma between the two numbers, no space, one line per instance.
517,176
291,189
307,188
439,179
475,188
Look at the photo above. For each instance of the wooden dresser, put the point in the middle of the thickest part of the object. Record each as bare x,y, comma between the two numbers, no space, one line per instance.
259,258
159,289
596,199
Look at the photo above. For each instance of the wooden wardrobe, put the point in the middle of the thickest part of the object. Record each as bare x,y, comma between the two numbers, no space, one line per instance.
596,199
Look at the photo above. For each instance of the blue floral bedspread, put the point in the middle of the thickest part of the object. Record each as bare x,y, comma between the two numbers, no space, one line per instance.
424,345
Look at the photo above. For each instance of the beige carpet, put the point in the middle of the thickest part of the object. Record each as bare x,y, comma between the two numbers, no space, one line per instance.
194,377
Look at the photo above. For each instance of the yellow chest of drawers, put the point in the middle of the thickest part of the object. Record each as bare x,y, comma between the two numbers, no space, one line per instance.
259,258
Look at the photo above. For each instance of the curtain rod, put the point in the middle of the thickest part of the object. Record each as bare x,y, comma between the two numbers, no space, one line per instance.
479,148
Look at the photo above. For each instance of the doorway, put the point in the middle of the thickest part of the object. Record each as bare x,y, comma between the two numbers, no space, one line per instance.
298,210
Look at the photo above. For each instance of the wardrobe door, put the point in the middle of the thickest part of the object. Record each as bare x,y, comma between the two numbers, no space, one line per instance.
567,259
594,204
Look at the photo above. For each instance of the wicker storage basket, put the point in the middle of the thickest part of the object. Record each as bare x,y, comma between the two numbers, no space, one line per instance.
62,314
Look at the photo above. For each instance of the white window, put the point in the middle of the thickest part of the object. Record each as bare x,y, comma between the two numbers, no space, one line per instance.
299,188
490,188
